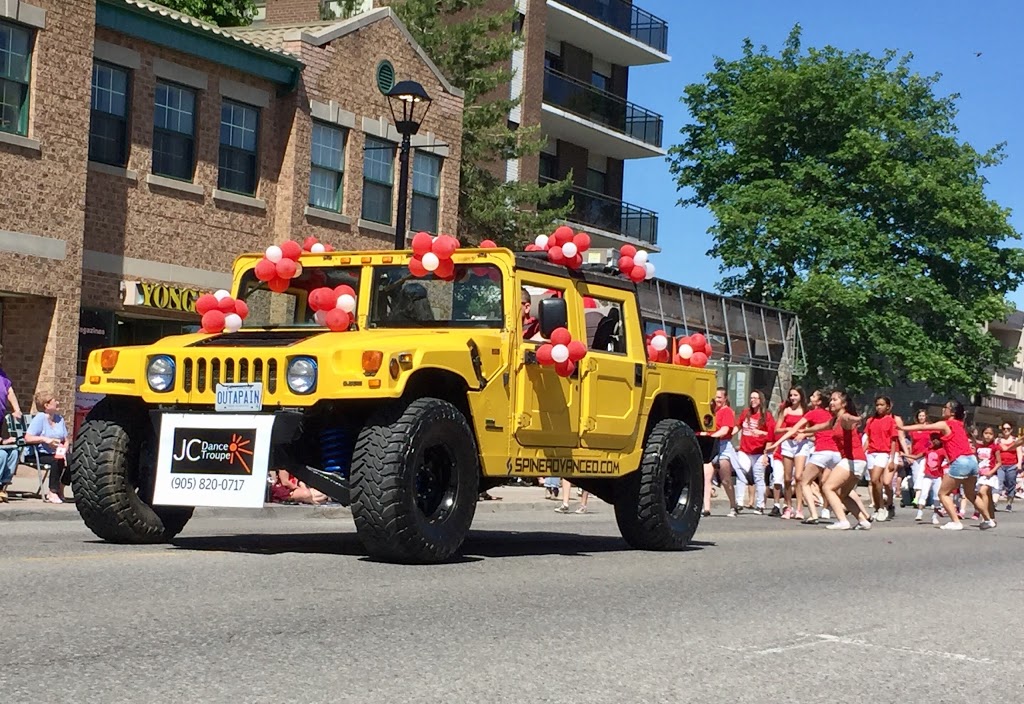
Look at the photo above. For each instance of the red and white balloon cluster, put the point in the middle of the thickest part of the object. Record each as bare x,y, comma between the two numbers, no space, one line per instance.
563,246
657,347
279,266
433,255
333,307
633,264
563,352
693,351
220,312
315,246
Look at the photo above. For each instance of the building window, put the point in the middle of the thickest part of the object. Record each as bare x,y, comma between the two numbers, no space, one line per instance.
327,167
378,180
174,124
15,68
596,181
239,130
600,81
108,122
426,191
548,166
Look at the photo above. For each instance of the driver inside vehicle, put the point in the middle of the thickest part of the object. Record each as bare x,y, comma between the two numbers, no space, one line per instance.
410,304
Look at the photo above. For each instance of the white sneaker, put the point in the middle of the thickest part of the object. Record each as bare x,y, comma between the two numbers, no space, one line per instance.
881,515
919,517
985,525
840,525
935,519
826,514
865,525
732,513
953,525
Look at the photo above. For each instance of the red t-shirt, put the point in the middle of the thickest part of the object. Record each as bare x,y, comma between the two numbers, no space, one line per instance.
790,419
849,442
881,432
725,418
956,442
531,328
935,462
751,442
823,440
920,442
986,455
1007,458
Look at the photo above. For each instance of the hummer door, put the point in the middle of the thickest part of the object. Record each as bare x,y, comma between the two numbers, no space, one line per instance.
547,408
612,372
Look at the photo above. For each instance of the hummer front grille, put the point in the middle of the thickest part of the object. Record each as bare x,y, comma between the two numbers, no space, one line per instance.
202,374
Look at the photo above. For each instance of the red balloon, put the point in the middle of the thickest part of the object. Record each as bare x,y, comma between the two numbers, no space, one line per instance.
313,299
290,249
416,267
421,243
651,352
286,268
544,355
680,361
532,248
307,244
626,265
699,360
226,305
637,274
589,302
555,255
265,270
328,247
213,321
561,336
337,320
445,269
343,289
582,241
241,309
577,350
664,355
574,262
565,368
279,285
488,244
562,234
627,250
206,302
707,349
327,298
697,341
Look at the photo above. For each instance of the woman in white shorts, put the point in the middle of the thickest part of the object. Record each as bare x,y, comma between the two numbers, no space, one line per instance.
988,471
882,436
794,452
920,446
822,453
840,488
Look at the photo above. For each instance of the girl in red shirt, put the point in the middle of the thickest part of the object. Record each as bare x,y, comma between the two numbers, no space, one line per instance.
725,453
1009,463
794,452
757,428
920,446
882,445
840,488
963,465
811,471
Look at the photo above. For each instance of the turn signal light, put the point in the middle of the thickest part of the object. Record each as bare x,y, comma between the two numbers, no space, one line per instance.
372,361
108,360
94,380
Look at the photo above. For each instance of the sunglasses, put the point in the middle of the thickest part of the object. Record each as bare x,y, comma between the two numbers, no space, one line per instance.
1007,428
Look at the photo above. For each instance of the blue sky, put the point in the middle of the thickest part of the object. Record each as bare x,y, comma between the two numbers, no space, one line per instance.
943,35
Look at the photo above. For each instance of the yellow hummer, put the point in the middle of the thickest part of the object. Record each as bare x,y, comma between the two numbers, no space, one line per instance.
432,395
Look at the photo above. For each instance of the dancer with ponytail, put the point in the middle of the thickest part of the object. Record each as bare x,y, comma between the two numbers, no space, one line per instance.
824,453
882,447
757,428
840,488
725,453
794,451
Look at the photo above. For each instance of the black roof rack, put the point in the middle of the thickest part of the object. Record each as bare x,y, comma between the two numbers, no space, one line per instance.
600,274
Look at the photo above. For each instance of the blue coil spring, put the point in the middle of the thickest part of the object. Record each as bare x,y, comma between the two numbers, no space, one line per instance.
335,450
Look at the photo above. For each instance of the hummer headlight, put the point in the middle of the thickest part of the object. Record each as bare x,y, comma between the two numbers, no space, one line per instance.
160,373
302,375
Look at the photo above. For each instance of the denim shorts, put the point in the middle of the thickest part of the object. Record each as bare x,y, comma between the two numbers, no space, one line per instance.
963,467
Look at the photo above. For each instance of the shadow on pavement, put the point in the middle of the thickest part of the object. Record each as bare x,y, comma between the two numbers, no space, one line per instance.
481,544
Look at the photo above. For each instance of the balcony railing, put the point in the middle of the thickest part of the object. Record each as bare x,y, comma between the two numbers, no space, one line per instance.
612,215
626,18
603,107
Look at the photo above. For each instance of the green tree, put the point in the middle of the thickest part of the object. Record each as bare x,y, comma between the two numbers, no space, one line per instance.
472,47
840,191
223,13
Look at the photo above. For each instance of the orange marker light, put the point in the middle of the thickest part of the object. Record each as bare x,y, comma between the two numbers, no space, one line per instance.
108,360
374,383
372,361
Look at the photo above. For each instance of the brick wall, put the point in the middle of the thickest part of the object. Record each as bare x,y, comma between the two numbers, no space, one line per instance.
292,11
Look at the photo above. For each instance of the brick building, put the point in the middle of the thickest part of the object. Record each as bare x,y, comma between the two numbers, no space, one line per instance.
142,150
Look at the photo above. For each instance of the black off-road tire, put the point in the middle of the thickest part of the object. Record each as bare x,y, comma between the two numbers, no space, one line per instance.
648,509
113,467
392,503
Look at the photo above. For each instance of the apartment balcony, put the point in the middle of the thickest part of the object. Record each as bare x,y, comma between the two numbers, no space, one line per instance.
614,30
577,112
613,222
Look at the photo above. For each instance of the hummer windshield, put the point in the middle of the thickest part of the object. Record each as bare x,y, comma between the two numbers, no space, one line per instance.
290,309
472,300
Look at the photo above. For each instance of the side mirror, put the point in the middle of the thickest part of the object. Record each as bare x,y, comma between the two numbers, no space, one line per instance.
553,314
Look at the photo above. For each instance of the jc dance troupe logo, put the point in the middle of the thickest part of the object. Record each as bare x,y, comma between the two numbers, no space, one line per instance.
212,451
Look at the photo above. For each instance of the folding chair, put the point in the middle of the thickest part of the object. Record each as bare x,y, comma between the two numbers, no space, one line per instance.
29,454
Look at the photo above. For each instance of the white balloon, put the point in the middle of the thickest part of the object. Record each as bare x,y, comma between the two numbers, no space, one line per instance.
650,271
559,353
318,248
640,257
541,241
320,317
347,302
233,322
659,342
569,250
221,295
685,351
430,261
274,253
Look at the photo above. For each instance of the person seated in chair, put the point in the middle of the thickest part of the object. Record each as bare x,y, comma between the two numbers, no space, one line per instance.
49,432
8,459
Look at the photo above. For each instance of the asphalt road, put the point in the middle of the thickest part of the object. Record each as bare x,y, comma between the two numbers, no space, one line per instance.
542,608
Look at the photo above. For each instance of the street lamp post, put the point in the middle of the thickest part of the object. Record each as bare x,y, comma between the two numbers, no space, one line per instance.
405,100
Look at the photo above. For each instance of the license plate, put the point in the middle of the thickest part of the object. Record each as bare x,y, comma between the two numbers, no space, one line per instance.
239,398
207,459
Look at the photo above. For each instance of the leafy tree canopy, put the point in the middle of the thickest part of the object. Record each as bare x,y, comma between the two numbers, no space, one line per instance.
223,13
841,191
472,46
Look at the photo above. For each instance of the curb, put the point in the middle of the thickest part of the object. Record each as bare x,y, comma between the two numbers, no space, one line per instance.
68,513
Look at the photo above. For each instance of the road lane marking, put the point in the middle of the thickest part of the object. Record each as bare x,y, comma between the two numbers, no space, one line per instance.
960,657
